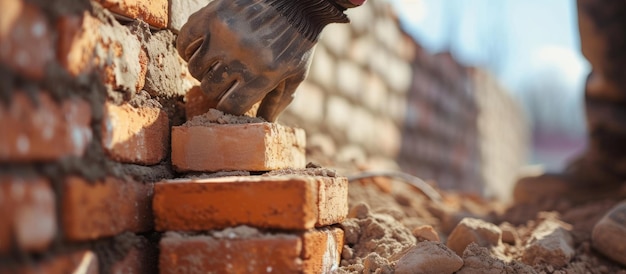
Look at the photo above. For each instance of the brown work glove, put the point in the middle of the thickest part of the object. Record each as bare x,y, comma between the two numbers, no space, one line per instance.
246,51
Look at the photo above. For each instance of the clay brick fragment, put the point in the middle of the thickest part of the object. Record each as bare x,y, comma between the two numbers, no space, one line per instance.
252,147
135,135
153,12
281,202
78,262
43,130
27,207
26,39
106,208
314,251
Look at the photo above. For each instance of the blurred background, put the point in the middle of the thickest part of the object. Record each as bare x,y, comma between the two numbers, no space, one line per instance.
467,94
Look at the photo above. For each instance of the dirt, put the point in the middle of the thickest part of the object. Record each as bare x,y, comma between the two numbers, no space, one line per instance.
214,116
379,227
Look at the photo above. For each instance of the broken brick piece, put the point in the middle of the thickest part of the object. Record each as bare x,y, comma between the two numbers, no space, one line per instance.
27,207
281,202
42,129
251,147
92,210
314,251
153,12
135,135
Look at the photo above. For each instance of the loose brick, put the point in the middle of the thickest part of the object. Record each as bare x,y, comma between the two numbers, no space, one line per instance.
26,40
78,262
85,43
27,207
153,12
282,202
135,135
43,130
314,251
253,147
107,208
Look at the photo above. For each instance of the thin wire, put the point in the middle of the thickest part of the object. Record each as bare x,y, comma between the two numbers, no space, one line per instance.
429,191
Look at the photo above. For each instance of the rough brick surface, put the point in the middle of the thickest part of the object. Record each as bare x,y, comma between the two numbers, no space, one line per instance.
26,39
99,209
253,147
78,262
282,202
135,135
153,12
45,130
85,44
28,214
316,251
140,258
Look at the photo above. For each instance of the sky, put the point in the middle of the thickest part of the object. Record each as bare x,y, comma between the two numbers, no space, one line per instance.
531,46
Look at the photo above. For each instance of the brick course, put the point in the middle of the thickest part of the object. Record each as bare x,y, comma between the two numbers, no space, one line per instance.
106,208
135,135
313,251
43,130
153,12
27,207
282,202
253,147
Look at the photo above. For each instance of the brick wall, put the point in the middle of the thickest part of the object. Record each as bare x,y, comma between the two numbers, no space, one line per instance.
90,92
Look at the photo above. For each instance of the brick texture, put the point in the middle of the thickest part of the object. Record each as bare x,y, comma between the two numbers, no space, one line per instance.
140,258
107,208
78,262
85,43
43,130
282,202
27,207
153,12
26,39
253,147
315,251
135,135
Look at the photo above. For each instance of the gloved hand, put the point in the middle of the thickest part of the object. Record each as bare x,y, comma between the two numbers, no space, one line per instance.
246,51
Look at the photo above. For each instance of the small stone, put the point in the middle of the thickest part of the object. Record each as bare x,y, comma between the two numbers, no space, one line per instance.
359,211
429,257
471,230
426,233
550,243
609,234
509,234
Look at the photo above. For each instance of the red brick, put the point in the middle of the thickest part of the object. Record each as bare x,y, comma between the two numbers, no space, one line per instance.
85,44
253,147
282,202
26,40
107,208
315,251
78,262
27,207
135,135
153,12
45,130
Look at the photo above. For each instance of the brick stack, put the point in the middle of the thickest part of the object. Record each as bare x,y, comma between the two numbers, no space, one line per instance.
252,224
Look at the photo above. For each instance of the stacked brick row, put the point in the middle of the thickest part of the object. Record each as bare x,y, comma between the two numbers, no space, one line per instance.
440,137
504,136
353,101
280,222
87,100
